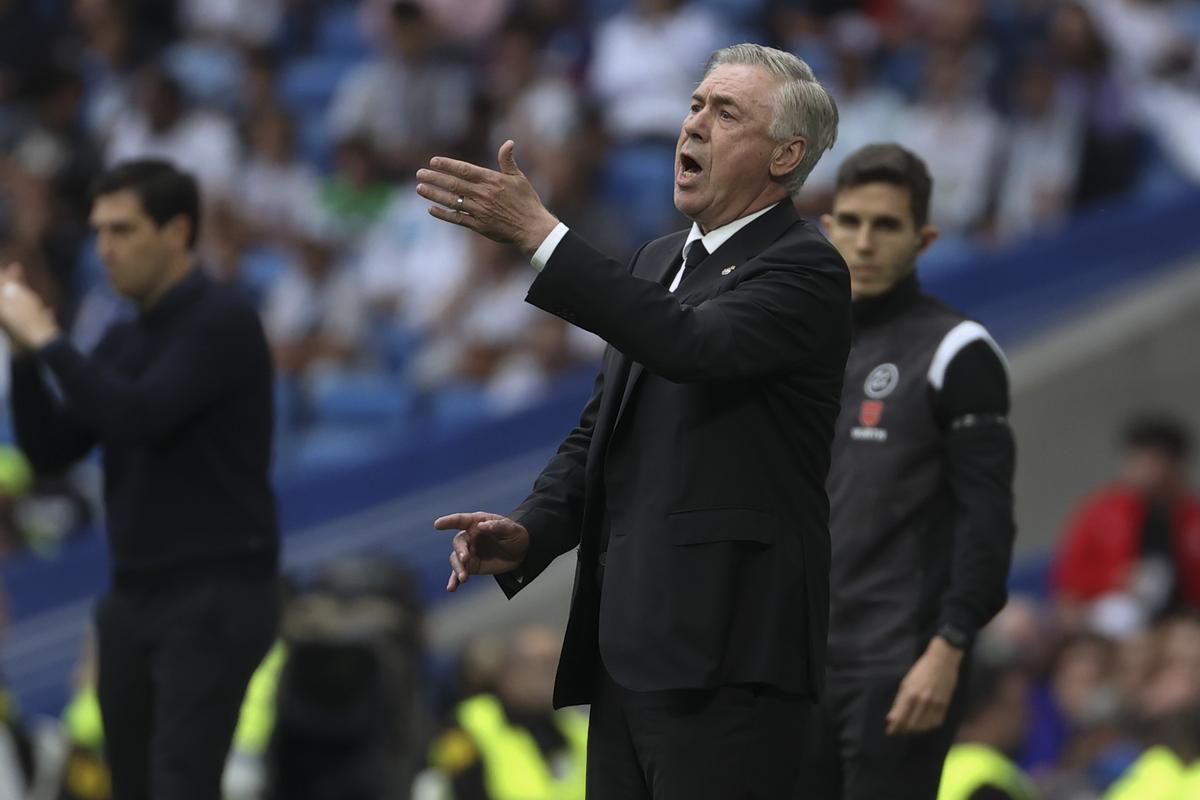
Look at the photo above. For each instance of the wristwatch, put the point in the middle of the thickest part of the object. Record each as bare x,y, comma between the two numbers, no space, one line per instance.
954,635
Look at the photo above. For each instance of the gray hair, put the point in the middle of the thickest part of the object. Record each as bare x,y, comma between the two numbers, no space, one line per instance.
802,106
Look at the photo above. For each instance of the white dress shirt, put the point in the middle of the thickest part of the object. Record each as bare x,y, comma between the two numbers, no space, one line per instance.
712,240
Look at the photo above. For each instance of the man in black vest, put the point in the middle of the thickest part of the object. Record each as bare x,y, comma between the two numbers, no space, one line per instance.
921,498
694,485
179,399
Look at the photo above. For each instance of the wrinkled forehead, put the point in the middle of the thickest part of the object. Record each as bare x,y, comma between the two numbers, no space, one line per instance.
749,86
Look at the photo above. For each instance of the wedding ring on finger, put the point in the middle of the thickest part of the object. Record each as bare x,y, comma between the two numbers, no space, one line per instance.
458,204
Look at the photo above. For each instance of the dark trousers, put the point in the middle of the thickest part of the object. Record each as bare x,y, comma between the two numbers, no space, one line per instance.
850,756
174,663
729,743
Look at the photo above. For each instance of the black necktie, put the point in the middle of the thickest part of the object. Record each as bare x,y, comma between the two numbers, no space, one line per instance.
695,254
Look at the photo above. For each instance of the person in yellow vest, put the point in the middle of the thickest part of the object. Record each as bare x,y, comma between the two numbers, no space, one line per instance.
1169,769
978,766
511,744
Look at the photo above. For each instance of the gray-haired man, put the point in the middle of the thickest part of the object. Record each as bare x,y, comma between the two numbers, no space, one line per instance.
693,486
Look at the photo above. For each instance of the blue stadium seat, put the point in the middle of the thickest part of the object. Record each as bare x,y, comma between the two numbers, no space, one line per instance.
394,345
368,399
600,10
308,84
458,406
209,73
333,445
638,178
314,145
260,267
735,11
338,32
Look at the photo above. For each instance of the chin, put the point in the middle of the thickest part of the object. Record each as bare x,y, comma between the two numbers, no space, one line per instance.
687,205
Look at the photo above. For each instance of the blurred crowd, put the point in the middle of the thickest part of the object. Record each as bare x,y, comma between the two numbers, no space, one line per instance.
1105,650
1089,679
306,120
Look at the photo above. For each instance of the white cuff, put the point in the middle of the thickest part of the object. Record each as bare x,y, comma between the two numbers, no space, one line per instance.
546,248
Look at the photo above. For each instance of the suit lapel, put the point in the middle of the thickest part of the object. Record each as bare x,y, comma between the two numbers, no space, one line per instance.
742,246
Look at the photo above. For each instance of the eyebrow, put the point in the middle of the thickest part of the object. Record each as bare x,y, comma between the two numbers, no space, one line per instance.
719,100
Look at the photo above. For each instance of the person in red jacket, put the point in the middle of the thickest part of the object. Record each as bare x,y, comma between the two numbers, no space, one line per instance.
1140,536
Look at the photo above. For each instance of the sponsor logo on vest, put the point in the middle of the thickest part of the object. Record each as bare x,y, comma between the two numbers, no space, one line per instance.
868,434
870,412
882,381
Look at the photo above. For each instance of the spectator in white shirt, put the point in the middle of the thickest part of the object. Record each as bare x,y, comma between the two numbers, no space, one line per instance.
957,134
647,58
274,187
162,126
867,111
408,99
314,313
411,264
1044,146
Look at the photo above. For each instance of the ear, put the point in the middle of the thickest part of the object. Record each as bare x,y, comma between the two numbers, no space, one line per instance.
827,222
928,234
179,229
788,156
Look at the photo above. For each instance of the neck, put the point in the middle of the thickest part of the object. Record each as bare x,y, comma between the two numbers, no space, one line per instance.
765,200
869,310
176,271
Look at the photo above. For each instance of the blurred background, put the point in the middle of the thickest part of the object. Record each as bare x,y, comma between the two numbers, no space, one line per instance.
1064,141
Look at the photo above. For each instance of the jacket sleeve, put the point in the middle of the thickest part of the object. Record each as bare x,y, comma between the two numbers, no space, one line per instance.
779,318
45,433
980,453
553,512
198,365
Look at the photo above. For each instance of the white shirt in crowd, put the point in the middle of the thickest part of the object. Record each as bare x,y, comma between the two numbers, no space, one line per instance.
645,67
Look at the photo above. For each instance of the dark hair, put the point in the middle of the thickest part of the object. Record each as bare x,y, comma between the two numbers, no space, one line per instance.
1161,433
164,191
407,11
889,163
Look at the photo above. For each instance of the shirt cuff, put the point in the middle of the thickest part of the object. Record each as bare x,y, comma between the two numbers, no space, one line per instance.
546,248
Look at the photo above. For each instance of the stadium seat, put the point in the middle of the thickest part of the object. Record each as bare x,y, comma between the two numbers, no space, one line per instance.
630,170
259,268
333,445
309,83
313,142
339,34
457,407
209,72
367,399
741,12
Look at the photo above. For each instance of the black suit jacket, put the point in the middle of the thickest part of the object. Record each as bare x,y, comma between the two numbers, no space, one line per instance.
704,448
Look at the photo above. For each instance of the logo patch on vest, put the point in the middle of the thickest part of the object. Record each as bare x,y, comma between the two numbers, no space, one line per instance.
882,381
870,412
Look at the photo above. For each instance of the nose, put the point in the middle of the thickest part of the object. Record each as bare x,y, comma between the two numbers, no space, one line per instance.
863,240
695,125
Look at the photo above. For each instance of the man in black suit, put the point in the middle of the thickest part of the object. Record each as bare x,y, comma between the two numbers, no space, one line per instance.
693,486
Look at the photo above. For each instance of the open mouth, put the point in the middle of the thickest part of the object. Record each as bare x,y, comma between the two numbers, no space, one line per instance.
688,166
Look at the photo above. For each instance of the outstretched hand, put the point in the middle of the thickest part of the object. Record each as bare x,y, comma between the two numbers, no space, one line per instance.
486,544
28,322
502,205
